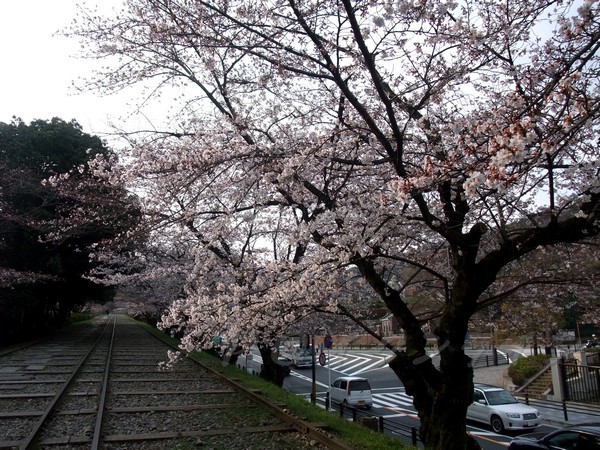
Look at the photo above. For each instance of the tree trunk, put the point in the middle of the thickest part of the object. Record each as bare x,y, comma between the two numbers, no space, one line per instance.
441,429
231,355
451,401
271,370
441,409
440,396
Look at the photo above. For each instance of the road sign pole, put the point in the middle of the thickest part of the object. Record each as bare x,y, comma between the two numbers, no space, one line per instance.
329,383
313,393
328,342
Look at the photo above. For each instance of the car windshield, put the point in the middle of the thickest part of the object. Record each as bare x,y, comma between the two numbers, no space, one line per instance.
500,398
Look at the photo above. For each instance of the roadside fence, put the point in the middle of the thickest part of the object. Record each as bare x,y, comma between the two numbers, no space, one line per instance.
580,382
564,407
492,359
378,423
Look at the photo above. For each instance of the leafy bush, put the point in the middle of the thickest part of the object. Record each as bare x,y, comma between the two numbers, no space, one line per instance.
524,368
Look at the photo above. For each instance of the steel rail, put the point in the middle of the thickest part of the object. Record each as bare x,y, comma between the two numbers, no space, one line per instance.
26,444
102,401
301,426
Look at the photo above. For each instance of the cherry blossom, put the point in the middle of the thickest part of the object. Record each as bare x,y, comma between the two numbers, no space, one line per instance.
316,150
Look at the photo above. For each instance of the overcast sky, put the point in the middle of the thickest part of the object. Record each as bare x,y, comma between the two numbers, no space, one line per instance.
37,68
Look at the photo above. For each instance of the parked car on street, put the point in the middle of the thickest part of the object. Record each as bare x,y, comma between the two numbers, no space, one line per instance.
300,357
574,437
495,406
353,391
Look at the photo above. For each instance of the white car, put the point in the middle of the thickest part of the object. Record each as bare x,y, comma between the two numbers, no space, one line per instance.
353,391
494,406
300,357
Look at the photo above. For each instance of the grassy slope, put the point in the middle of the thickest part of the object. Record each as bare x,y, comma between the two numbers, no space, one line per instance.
353,434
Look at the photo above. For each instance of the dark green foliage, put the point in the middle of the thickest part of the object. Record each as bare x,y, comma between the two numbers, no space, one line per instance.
524,368
46,147
29,209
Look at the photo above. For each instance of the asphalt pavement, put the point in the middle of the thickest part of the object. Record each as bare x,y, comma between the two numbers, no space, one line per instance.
553,413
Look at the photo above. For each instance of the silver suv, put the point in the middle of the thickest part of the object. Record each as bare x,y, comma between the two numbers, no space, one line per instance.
496,407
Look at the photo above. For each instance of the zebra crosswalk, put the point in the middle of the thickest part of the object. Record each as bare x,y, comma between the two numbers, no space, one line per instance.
397,402
352,364
392,400
347,363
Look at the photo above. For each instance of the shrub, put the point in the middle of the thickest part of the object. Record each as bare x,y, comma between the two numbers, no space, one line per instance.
524,368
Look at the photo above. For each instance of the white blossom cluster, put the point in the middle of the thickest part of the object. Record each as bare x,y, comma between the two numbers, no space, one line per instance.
10,277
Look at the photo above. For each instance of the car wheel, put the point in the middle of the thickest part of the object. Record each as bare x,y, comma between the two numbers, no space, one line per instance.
497,424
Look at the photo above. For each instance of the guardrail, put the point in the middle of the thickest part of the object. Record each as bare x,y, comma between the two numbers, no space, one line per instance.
377,423
494,359
564,407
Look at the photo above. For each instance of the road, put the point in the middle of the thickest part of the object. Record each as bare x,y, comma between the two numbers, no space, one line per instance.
389,397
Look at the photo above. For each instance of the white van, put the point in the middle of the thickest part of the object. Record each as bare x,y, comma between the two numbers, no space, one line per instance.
353,391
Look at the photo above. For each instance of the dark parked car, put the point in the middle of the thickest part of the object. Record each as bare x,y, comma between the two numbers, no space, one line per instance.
574,437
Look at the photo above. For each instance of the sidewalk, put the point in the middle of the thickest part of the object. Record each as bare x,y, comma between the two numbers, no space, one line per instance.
552,412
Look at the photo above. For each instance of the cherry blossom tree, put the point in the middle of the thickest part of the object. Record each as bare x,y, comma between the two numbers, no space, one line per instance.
449,139
548,287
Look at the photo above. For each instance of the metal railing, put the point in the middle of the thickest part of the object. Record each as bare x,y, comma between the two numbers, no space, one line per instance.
564,407
495,359
378,423
580,383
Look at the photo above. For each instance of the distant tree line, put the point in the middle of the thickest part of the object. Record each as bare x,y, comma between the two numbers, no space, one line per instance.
42,278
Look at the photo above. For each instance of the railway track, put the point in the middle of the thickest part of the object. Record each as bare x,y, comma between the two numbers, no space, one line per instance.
99,386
